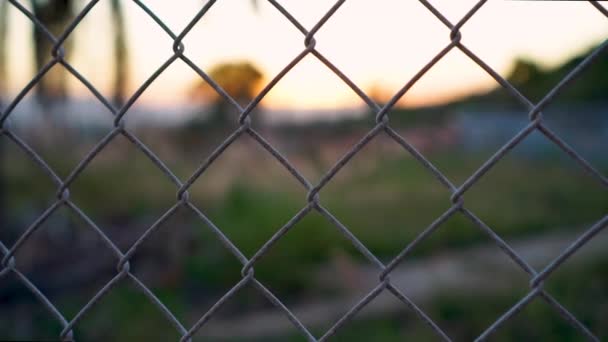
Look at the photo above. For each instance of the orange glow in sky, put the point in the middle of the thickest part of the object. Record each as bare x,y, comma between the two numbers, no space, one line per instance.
375,43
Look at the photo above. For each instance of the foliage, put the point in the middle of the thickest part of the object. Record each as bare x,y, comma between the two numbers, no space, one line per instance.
239,79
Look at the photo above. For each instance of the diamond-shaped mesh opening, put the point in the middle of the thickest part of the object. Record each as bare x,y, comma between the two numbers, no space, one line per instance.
580,99
49,128
185,266
528,185
575,22
472,126
237,194
88,56
111,317
313,139
28,190
259,213
465,317
467,88
578,285
86,263
308,15
314,260
311,76
121,167
166,105
384,190
381,78
454,12
457,256
232,321
538,321
23,317
241,42
393,322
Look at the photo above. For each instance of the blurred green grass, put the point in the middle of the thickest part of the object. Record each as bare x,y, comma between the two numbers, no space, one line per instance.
385,200
126,315
385,206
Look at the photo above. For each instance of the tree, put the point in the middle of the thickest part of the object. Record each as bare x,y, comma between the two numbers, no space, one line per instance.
239,79
56,15
3,28
524,71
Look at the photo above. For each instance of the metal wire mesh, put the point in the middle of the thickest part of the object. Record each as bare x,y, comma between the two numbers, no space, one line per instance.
381,126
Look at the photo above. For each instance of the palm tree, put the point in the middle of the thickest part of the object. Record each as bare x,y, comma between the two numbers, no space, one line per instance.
56,15
3,27
2,80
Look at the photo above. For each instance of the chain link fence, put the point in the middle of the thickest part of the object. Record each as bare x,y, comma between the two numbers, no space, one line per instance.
381,126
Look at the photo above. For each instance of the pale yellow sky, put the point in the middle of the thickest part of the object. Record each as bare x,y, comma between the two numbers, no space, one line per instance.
376,43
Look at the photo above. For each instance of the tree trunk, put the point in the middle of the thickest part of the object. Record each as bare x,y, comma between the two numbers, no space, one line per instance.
55,16
3,89
121,78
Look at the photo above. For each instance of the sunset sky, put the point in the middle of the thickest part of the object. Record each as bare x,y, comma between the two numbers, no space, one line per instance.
376,43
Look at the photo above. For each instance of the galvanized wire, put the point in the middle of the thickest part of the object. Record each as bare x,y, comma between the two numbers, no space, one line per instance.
313,200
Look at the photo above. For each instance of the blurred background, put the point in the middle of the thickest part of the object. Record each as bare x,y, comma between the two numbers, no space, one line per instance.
536,198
